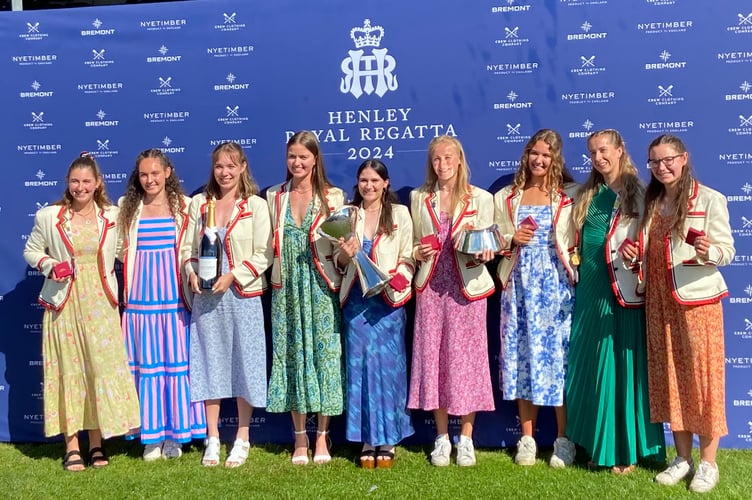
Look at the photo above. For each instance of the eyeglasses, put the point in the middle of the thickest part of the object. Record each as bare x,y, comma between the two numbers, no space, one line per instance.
666,160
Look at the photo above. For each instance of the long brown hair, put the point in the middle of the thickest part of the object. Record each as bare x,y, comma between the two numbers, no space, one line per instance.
247,186
656,191
630,190
386,222
134,191
100,197
319,181
462,188
557,173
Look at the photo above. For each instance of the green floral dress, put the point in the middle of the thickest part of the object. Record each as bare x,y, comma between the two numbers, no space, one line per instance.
307,371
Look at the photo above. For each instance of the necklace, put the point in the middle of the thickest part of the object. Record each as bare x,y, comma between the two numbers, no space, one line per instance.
84,216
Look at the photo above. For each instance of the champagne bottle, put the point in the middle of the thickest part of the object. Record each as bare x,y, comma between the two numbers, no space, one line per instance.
210,252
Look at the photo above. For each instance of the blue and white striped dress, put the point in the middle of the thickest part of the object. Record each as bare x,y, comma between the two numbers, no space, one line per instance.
155,323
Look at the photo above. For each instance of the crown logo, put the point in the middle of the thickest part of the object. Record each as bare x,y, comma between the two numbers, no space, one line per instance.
367,36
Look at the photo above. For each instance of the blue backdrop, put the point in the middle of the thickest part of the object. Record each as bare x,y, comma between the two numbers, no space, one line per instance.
373,79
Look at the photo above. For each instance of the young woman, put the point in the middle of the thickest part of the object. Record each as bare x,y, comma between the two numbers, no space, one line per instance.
534,214
307,372
450,369
153,220
87,385
685,237
607,391
375,327
228,342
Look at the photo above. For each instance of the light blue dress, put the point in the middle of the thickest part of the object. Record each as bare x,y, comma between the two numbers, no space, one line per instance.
536,317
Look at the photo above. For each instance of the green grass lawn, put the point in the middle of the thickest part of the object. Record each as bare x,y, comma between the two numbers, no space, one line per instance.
34,471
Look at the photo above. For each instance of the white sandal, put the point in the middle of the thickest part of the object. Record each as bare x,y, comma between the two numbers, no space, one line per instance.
301,459
323,459
211,452
239,454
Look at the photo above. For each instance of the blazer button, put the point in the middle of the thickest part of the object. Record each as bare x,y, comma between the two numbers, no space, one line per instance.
616,268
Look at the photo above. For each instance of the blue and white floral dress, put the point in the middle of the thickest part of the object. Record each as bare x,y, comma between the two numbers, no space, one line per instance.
536,318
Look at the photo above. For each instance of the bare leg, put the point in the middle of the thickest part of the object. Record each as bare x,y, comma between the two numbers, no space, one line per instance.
71,444
245,410
467,425
301,438
683,443
528,416
322,439
442,421
212,417
708,448
561,420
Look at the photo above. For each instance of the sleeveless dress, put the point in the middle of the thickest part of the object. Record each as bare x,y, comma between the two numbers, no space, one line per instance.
87,384
228,344
155,323
307,372
607,384
536,318
376,368
450,366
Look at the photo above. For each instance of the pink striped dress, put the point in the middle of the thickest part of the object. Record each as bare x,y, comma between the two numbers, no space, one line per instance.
155,323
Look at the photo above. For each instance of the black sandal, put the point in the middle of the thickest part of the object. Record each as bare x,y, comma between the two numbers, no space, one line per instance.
69,461
98,458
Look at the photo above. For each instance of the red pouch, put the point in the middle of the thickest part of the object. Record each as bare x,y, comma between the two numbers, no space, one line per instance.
432,240
624,243
399,282
692,235
529,222
62,270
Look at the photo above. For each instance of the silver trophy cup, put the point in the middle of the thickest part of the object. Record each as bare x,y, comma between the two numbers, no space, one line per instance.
474,241
341,224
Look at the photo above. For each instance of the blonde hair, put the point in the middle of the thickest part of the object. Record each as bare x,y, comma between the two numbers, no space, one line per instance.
557,173
462,187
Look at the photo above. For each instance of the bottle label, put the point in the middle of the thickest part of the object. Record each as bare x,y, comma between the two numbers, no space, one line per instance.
207,268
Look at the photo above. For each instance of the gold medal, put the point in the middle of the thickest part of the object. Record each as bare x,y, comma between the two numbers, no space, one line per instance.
575,258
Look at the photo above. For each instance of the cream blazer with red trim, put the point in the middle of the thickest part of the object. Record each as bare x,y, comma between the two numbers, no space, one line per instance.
322,249
506,206
49,243
392,254
247,242
128,257
694,280
477,211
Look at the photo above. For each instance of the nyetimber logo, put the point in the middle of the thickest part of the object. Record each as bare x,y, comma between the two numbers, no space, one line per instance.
39,149
666,63
743,24
671,26
587,126
587,67
100,121
167,116
510,7
589,97
511,38
665,96
513,103
163,24
587,33
35,86
98,30
372,73
163,57
232,84
229,23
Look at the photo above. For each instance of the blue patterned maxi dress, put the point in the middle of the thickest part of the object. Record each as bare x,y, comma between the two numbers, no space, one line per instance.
376,368
536,317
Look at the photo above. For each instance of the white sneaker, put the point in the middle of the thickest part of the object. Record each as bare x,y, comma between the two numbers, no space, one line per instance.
442,449
526,451
564,452
172,449
465,452
152,452
675,472
705,479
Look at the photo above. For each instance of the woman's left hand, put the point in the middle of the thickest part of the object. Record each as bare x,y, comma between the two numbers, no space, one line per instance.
223,283
702,245
484,256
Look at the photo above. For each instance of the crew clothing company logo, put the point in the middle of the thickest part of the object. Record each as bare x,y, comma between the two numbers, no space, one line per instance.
40,180
511,6
745,94
104,149
98,29
99,59
229,23
665,95
666,62
587,66
36,91
166,87
741,227
32,33
512,102
232,116
745,332
368,73
38,121
587,33
100,121
585,130
743,24
743,126
584,166
512,134
163,56
232,84
511,38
